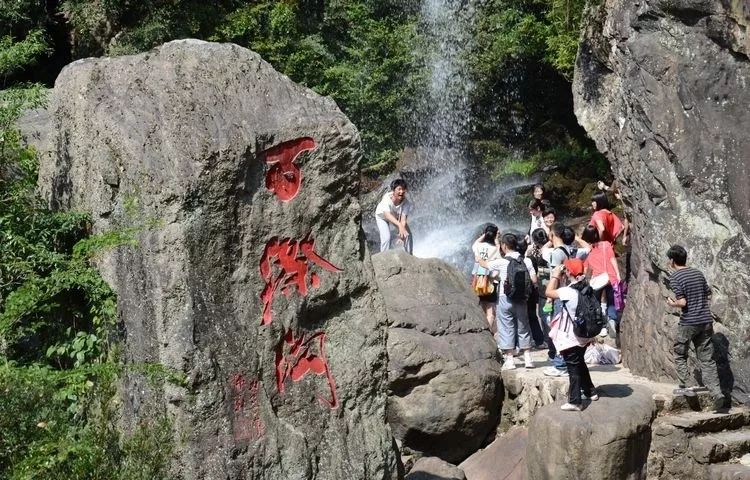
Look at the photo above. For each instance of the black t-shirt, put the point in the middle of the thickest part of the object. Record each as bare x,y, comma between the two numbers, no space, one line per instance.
690,284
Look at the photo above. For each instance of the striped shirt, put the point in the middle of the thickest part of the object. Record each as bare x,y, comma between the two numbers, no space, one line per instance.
690,284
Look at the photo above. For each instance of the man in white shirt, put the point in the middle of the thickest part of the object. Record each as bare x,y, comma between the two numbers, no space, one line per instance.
512,314
394,208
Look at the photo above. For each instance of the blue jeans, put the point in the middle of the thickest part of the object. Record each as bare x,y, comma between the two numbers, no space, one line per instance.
512,324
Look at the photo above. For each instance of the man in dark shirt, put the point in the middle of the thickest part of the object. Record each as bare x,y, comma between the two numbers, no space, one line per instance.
693,295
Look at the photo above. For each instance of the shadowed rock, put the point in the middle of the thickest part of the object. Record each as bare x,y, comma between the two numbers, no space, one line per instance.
445,381
661,86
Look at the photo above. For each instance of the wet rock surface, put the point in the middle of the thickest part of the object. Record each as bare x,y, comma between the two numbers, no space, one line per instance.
248,272
444,379
608,440
661,86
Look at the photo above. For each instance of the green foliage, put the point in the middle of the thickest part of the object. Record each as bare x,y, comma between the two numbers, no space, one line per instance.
57,315
61,425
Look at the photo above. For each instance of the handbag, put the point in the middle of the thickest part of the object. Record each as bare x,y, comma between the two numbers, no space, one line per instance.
620,290
482,284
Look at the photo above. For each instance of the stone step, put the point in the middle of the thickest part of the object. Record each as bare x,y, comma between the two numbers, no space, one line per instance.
728,471
706,422
678,403
721,446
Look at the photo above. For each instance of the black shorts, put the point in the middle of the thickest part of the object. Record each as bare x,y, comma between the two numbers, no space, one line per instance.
492,297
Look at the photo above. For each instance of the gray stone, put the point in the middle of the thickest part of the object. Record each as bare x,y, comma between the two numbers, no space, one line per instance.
170,144
608,440
433,468
444,377
503,459
661,86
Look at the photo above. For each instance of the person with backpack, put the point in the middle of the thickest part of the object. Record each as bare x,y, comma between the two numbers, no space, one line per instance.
693,296
486,248
516,276
561,247
580,318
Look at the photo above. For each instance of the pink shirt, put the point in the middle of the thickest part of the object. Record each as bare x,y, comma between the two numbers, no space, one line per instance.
611,222
600,260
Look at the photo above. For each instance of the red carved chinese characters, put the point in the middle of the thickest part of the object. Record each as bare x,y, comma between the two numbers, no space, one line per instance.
292,258
246,421
284,177
297,357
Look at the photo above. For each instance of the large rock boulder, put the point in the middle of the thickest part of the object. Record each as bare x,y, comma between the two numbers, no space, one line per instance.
608,440
249,274
661,86
444,377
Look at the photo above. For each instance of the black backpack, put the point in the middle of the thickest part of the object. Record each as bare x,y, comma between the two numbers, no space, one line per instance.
588,321
517,280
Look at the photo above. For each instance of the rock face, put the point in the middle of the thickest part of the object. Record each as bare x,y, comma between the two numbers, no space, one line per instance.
249,274
433,468
444,378
661,86
503,459
608,440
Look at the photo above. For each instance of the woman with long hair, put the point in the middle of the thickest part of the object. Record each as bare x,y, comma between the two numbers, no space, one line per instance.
487,248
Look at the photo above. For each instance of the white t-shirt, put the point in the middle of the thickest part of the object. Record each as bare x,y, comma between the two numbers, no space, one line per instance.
555,255
485,251
501,265
570,297
537,222
386,205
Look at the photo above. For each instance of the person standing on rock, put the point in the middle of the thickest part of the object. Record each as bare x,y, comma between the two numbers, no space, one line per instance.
515,280
607,223
571,272
487,248
394,208
693,295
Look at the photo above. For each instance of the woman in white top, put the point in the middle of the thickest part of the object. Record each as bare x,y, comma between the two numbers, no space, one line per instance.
487,248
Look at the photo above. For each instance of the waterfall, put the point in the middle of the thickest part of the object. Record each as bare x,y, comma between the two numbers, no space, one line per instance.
450,207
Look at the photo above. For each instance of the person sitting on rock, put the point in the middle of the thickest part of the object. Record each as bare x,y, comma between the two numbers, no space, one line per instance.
394,208
571,272
512,319
692,296
487,248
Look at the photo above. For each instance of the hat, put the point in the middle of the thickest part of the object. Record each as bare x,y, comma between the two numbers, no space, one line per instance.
574,266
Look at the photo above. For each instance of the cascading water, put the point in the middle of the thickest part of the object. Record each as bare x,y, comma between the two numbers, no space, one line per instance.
450,208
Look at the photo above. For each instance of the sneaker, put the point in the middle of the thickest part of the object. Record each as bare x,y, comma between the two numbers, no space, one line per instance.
527,362
570,407
509,363
684,391
604,332
555,372
593,397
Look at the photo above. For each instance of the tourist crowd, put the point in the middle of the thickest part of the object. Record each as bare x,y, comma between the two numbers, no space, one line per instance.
550,288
